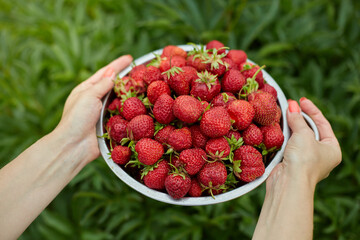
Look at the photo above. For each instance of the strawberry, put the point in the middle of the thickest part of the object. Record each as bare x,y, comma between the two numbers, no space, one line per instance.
273,137
163,109
205,87
204,105
121,155
118,129
149,151
171,50
156,89
141,126
252,135
115,106
180,139
217,148
179,80
133,107
278,114
162,135
177,185
215,63
195,189
155,177
213,175
237,56
215,122
124,86
193,159
248,70
175,61
265,107
223,99
196,62
270,89
231,133
241,113
187,108
198,139
151,74
137,74
230,63
112,120
217,45
232,81
248,163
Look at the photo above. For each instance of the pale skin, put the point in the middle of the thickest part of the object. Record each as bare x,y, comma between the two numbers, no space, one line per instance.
32,180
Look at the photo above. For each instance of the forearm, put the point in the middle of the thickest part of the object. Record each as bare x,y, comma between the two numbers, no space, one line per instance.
287,212
32,180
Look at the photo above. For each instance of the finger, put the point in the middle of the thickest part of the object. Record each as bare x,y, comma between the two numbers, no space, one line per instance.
295,120
322,124
118,65
105,84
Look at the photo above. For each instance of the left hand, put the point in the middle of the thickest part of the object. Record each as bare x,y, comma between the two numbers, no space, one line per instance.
83,106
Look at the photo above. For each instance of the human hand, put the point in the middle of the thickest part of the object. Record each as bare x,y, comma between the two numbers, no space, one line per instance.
304,157
83,106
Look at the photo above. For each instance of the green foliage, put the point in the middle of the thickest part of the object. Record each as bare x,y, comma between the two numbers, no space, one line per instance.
311,48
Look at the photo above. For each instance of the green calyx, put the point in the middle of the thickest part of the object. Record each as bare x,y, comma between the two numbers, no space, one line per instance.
197,52
251,85
234,144
215,59
149,168
207,78
231,180
236,166
173,71
155,62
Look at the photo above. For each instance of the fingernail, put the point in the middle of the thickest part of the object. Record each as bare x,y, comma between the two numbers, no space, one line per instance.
109,72
293,106
302,99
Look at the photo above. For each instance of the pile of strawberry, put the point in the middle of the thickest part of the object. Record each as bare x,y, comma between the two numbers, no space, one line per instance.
196,123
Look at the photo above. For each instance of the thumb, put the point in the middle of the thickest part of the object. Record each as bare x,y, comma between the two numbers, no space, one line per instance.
295,119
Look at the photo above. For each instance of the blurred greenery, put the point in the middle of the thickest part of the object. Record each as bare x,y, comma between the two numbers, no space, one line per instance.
311,48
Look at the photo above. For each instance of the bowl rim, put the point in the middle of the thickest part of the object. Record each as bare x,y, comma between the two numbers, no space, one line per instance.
191,201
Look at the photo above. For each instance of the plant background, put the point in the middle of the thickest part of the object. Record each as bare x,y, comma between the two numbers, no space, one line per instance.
311,48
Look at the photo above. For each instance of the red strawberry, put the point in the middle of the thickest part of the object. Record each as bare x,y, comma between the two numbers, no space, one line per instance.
217,148
177,185
118,129
250,161
215,44
179,80
149,151
215,122
156,89
163,135
141,126
270,89
133,107
121,155
237,56
196,62
151,74
198,139
155,178
171,50
204,105
206,86
176,61
115,106
248,70
125,85
112,120
213,175
163,109
193,159
216,65
231,133
180,139
187,108
242,113
230,63
223,99
265,107
195,189
137,74
233,81
278,114
273,137
252,135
